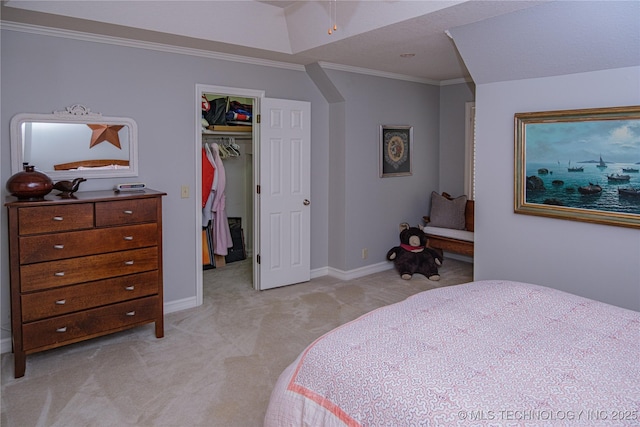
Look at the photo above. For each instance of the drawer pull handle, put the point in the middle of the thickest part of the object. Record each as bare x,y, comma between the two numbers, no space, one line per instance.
63,329
127,212
131,313
58,246
129,288
128,262
128,237
58,218
59,273
61,302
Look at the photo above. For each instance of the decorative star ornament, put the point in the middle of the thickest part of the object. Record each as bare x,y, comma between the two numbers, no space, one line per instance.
107,133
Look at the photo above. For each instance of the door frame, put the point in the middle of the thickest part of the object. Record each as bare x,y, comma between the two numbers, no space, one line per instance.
470,150
256,95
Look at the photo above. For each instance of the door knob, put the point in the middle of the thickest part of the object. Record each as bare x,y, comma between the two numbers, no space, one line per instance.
306,202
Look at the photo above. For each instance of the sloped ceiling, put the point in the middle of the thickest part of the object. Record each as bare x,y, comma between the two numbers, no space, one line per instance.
371,35
556,38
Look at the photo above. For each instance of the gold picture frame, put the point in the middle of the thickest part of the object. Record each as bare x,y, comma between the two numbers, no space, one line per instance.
396,147
581,165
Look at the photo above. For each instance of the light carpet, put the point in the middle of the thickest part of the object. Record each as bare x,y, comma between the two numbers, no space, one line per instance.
215,366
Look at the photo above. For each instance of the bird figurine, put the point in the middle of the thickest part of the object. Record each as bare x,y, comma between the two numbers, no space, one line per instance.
67,188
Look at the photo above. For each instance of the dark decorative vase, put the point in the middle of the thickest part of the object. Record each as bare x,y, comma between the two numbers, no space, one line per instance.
29,184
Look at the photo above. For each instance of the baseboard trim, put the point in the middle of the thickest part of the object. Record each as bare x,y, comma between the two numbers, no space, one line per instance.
5,345
179,305
458,257
319,272
359,272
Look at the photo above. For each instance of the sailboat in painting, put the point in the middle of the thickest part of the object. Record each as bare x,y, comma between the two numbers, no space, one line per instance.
602,164
575,168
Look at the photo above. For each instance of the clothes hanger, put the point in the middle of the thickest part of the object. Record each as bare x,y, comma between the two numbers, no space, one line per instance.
222,151
234,147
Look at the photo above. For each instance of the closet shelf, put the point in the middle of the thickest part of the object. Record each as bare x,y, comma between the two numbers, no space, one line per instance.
221,133
233,129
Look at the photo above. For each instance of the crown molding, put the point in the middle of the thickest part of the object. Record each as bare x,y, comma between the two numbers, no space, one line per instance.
455,81
119,41
359,70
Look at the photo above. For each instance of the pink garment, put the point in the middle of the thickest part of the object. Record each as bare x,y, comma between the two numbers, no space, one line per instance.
221,233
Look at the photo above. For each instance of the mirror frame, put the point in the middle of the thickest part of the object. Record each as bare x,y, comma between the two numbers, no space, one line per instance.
79,114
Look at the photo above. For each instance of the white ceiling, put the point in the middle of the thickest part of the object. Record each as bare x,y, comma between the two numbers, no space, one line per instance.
569,37
371,35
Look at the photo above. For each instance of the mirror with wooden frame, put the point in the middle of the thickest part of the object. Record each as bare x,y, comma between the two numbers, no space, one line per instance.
75,143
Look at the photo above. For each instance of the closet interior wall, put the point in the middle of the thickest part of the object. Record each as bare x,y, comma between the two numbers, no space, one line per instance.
238,166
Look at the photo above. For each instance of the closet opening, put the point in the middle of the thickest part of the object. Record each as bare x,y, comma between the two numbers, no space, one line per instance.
275,153
226,138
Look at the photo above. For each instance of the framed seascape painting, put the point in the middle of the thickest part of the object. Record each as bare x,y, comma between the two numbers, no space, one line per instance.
396,145
581,165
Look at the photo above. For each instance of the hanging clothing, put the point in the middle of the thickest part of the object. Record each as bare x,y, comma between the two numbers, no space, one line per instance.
207,212
208,171
222,235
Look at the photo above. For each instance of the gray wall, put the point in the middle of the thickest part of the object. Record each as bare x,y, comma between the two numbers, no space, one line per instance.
374,206
352,208
596,261
158,89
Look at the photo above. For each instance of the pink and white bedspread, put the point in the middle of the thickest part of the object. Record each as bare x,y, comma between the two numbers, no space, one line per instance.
488,353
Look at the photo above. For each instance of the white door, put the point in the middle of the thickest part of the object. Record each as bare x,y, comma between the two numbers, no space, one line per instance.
284,198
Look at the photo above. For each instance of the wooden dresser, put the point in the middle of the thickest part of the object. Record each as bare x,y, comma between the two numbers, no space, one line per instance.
83,267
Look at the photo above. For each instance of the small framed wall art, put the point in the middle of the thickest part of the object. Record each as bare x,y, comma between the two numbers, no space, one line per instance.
396,146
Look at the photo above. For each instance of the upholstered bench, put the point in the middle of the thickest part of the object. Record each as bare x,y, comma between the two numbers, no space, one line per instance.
450,225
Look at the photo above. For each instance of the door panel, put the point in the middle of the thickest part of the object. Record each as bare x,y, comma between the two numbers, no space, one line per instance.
285,163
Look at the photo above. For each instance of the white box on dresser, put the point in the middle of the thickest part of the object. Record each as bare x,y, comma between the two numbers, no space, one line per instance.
82,267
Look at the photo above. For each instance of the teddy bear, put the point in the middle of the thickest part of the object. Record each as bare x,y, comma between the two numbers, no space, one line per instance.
412,256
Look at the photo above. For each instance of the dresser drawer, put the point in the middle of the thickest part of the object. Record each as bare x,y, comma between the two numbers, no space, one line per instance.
68,299
89,323
47,219
49,247
126,212
52,274
83,267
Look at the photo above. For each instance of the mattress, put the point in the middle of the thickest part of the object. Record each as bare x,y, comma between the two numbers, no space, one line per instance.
483,353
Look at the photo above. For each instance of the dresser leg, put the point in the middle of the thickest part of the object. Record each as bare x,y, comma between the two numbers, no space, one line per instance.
160,328
19,363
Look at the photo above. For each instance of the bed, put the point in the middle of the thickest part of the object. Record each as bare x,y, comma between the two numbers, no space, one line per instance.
483,353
